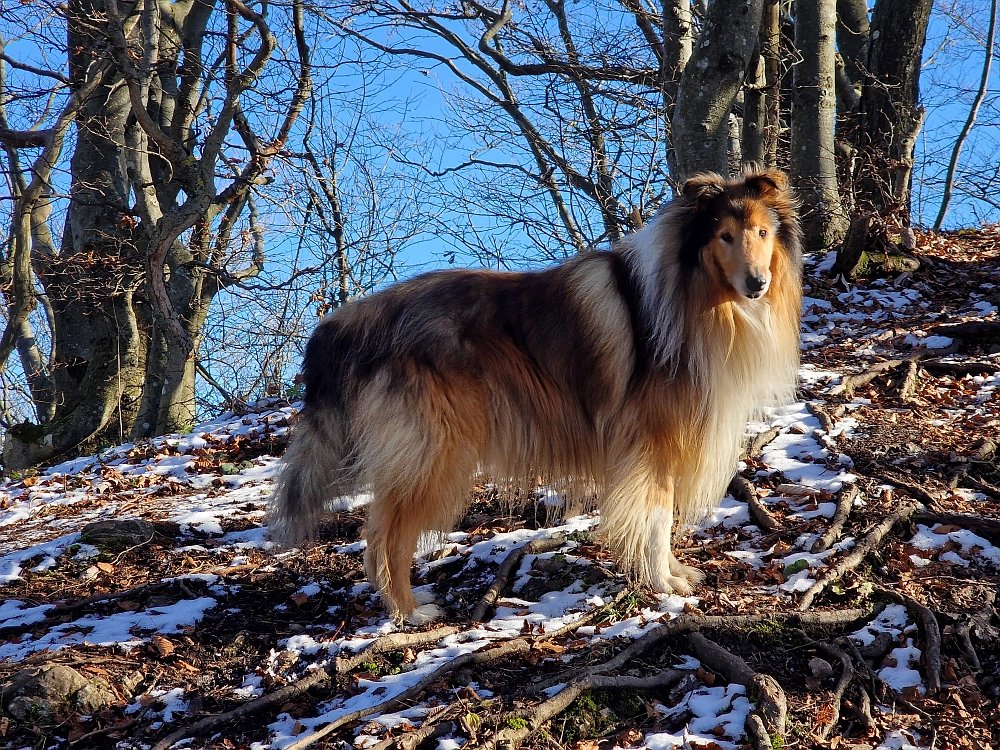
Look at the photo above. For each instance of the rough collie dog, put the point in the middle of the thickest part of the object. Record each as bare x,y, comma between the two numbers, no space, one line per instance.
629,374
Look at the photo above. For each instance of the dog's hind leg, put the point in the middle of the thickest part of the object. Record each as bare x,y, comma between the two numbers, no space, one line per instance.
420,462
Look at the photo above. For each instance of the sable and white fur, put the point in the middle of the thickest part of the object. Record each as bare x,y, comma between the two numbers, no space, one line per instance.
629,373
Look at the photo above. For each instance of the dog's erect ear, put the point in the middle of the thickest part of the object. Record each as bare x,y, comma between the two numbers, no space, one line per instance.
767,184
703,187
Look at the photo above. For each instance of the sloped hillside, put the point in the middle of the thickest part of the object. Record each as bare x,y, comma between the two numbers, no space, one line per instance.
849,600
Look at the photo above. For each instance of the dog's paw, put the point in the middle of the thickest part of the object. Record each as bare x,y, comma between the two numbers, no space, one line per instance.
672,585
691,575
423,614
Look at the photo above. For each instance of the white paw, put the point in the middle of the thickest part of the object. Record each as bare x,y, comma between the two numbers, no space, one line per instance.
667,584
692,575
423,614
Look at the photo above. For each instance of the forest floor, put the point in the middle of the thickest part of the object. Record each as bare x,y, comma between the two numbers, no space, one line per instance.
852,578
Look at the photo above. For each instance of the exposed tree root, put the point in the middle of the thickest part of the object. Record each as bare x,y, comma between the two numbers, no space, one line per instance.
538,715
909,384
761,441
885,693
772,706
915,490
959,369
964,632
393,642
986,489
435,724
689,623
932,637
278,697
987,528
849,383
845,501
826,422
743,491
507,567
846,676
865,547
518,646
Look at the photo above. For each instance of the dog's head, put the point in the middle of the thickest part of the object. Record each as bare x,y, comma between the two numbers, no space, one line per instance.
734,229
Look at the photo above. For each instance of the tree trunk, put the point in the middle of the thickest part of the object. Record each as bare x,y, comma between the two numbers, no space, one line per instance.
709,85
755,109
678,35
852,39
814,111
891,116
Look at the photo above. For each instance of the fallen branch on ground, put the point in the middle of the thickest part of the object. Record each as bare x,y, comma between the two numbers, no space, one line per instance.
764,690
845,502
536,547
864,548
688,623
743,491
538,715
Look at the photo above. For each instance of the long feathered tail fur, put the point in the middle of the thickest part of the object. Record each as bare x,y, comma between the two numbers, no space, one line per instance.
316,472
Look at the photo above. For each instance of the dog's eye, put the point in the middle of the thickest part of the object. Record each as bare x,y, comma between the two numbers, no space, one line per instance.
727,237
763,233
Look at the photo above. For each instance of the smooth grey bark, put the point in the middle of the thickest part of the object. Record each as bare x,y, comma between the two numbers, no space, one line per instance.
852,38
770,50
891,115
754,109
678,38
709,85
949,183
814,111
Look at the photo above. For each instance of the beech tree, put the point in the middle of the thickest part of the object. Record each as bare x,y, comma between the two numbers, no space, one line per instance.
159,215
814,109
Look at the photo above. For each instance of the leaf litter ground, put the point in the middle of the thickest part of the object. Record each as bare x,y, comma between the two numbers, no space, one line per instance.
205,635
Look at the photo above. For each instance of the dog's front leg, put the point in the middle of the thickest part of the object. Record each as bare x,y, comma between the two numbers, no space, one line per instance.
666,574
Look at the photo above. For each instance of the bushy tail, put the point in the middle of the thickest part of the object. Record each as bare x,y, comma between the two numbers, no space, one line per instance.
317,471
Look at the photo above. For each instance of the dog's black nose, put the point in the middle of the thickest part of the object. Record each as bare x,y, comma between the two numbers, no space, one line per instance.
755,283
